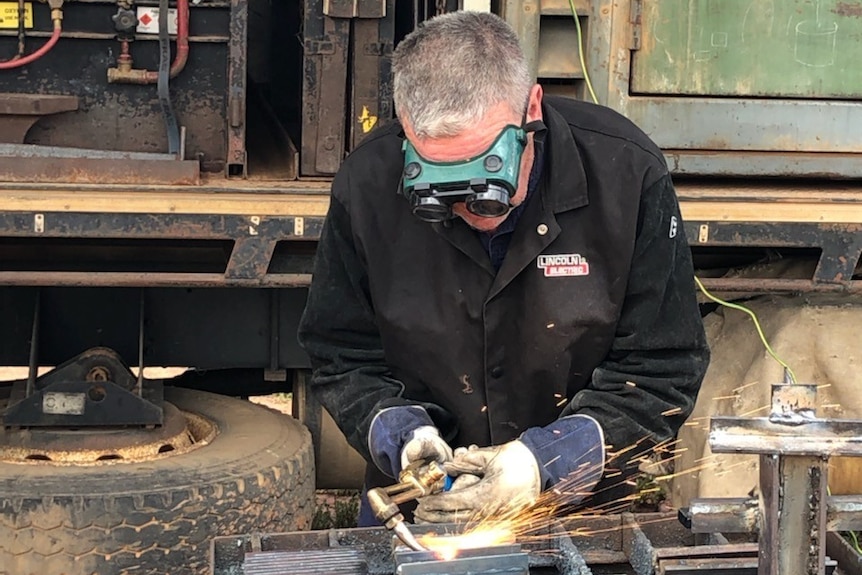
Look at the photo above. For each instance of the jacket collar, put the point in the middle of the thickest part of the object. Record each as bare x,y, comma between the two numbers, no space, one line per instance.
565,185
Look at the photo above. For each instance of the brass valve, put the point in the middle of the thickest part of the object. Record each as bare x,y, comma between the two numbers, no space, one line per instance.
417,480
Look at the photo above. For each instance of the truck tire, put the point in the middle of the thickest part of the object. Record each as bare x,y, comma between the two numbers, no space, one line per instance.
160,516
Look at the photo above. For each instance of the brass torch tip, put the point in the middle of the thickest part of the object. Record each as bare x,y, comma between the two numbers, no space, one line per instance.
407,537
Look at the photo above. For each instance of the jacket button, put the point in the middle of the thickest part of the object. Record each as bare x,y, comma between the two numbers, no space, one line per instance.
497,372
542,229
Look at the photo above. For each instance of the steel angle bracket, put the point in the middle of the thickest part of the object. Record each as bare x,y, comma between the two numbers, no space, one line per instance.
792,428
814,437
84,404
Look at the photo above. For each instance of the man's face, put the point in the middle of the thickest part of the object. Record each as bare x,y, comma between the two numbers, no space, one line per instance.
473,142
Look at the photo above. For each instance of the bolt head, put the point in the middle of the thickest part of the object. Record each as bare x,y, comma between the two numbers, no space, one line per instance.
412,170
493,163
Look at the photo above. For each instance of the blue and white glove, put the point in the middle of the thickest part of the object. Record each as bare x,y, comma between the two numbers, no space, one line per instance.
569,454
400,435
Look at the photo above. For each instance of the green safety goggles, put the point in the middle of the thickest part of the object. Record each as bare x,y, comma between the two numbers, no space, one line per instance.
485,183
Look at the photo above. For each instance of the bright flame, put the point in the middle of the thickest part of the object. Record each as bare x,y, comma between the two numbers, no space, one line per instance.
446,547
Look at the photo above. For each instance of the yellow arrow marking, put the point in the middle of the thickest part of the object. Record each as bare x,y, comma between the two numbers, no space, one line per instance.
367,120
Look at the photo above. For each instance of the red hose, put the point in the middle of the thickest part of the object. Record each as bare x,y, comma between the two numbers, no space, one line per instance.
182,55
58,27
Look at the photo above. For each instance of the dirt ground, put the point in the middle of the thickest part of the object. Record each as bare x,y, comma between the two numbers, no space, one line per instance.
12,373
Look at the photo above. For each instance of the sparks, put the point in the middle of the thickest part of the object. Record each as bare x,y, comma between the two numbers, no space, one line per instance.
528,521
741,387
753,411
553,460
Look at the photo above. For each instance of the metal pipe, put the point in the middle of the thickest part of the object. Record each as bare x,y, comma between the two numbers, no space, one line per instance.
125,74
149,279
33,363
755,285
139,382
78,35
22,35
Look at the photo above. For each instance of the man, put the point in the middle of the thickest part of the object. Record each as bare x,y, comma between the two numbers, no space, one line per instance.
547,317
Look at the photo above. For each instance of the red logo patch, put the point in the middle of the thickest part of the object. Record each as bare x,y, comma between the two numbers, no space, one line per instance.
563,265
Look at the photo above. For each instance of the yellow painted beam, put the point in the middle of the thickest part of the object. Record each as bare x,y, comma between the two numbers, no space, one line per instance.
159,202
312,199
802,212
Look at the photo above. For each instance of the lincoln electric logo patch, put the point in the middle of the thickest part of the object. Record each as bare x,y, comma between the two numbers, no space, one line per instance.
563,265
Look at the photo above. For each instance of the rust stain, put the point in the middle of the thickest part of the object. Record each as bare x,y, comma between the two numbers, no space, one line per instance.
848,9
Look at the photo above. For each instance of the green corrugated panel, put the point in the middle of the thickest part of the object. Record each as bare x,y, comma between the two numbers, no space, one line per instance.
781,48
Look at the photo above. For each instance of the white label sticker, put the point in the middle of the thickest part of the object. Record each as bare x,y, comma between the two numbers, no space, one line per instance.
59,403
148,20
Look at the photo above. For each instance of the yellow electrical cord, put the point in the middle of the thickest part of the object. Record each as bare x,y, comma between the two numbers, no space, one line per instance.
581,52
742,308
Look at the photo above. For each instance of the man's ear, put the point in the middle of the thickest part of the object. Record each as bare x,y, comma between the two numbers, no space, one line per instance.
534,104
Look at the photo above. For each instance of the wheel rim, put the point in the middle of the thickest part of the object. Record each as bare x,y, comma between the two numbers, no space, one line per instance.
182,432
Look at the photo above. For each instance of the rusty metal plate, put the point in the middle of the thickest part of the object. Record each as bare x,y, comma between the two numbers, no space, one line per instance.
236,97
324,91
36,104
99,170
371,80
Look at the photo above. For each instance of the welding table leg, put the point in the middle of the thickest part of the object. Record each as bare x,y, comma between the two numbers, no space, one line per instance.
793,515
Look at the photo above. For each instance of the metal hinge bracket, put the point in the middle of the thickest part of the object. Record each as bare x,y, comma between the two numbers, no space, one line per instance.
354,8
325,47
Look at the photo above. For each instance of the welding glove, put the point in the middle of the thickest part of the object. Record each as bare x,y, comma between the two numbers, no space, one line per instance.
510,478
399,436
568,454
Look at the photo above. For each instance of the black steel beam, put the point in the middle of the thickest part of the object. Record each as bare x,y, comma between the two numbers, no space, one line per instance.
841,244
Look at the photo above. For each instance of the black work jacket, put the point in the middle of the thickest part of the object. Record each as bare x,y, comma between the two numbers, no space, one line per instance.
402,311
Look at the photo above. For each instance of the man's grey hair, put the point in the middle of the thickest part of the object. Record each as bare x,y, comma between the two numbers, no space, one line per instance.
451,70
